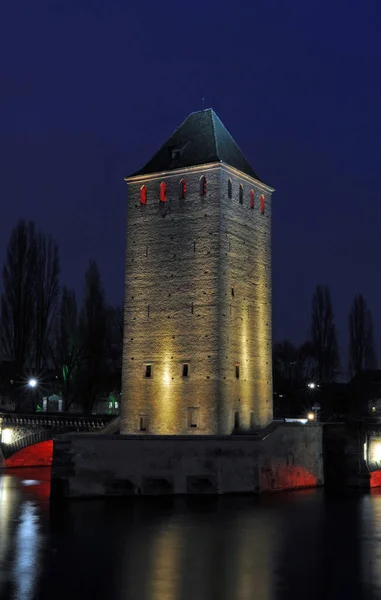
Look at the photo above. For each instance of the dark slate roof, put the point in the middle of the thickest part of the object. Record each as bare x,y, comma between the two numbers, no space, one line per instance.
201,139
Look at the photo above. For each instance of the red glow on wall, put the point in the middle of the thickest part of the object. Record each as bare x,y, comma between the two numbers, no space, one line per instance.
262,204
163,192
37,455
183,189
286,477
143,194
251,198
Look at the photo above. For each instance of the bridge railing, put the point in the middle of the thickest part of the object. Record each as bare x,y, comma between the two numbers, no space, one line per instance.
59,421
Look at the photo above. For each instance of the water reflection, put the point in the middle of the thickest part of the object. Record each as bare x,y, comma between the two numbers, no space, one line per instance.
300,545
20,536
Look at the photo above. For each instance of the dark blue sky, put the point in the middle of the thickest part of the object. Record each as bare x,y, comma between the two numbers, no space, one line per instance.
90,89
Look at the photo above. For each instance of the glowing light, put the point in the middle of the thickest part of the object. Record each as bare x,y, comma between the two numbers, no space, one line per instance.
7,436
311,416
32,383
312,385
376,451
373,409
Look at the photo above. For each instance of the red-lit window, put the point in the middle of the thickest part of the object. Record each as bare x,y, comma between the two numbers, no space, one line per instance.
203,186
230,189
163,192
143,194
262,204
251,198
183,189
241,193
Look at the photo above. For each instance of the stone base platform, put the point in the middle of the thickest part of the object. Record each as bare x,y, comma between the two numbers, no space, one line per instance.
283,457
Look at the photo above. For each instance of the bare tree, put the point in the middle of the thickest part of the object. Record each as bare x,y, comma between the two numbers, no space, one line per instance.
46,286
67,348
19,298
361,351
93,330
323,334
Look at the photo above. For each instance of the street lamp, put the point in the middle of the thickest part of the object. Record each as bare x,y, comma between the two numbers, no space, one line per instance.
32,382
311,416
311,385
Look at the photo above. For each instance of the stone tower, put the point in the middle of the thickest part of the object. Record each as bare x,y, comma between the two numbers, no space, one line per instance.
197,341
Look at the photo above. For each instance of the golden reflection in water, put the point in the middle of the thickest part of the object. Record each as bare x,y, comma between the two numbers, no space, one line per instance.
205,557
166,550
8,507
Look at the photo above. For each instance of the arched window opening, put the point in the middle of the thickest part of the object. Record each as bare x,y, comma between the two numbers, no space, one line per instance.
262,204
183,189
251,198
240,193
203,186
143,194
230,189
163,192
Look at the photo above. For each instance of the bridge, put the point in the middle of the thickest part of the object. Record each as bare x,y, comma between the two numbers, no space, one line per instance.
26,439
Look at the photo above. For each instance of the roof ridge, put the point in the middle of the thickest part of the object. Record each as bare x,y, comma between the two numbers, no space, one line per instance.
213,114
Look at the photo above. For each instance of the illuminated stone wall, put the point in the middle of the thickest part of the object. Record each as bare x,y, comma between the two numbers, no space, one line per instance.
183,258
288,457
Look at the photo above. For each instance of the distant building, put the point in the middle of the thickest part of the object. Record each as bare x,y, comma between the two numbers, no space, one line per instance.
197,337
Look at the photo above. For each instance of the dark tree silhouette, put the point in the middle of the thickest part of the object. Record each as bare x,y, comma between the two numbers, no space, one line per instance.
46,286
67,349
18,297
323,334
93,331
361,351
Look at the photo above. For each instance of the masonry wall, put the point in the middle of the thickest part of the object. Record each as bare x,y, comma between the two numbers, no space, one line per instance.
171,305
94,465
245,318
183,259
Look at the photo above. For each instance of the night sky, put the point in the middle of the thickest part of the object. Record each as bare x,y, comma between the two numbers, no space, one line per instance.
90,89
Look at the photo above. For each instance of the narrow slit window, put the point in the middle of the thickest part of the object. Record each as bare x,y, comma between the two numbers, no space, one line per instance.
232,292
143,423
148,371
262,204
203,186
230,189
193,418
251,199
251,420
185,370
143,194
183,189
163,192
236,419
237,371
240,193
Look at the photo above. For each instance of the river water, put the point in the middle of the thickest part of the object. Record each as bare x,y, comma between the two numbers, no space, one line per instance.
307,545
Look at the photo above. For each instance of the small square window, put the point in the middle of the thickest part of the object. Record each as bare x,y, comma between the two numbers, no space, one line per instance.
193,418
185,370
148,371
237,371
143,423
236,419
